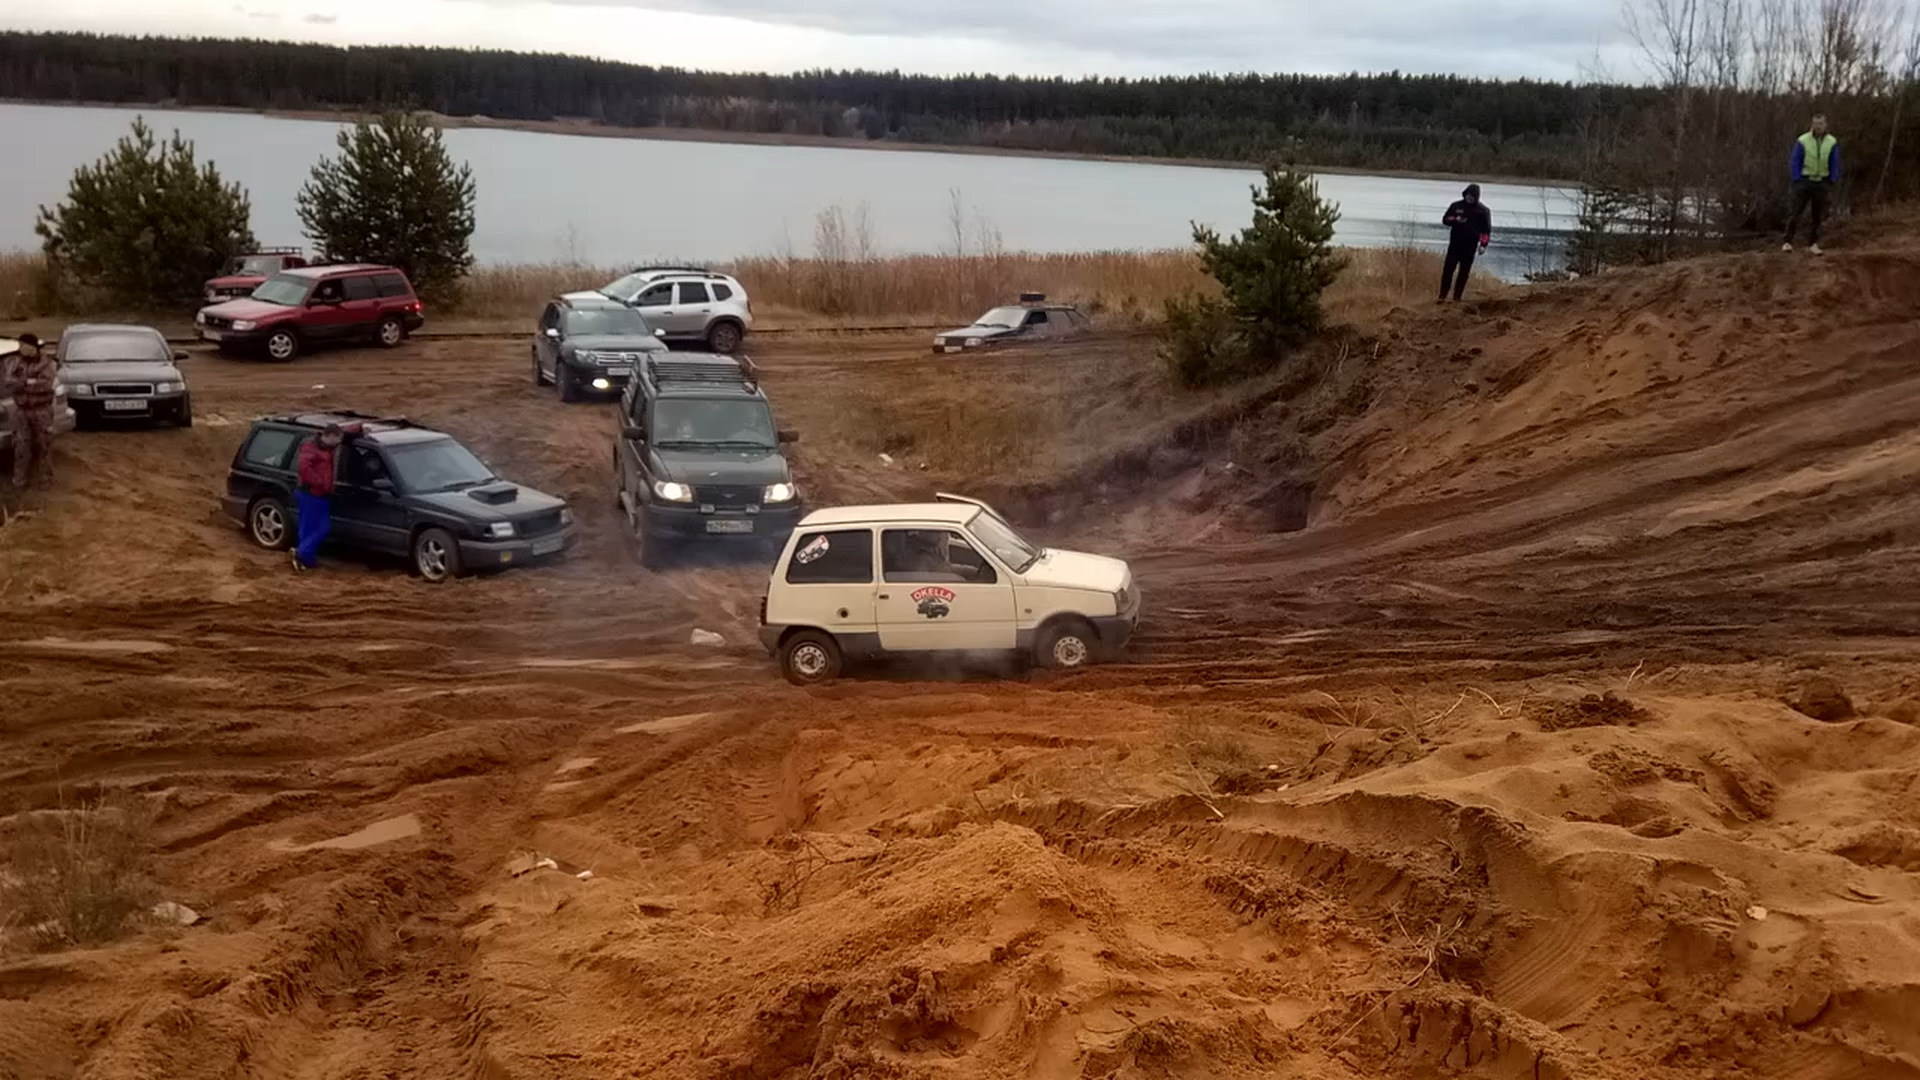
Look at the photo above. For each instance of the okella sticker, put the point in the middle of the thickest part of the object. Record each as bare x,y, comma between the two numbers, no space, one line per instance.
933,601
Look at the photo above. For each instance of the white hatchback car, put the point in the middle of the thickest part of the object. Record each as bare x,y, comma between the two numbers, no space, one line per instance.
947,576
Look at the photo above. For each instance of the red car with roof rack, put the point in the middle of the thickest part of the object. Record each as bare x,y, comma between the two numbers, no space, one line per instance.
296,309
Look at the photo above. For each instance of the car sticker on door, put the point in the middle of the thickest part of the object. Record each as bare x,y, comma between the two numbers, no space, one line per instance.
933,601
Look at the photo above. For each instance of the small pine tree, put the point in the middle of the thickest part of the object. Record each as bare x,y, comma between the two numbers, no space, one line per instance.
395,197
1274,272
146,222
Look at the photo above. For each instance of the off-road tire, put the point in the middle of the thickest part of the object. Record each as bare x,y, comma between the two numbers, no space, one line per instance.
282,345
391,333
269,525
655,554
724,337
810,658
183,416
1070,645
436,556
568,391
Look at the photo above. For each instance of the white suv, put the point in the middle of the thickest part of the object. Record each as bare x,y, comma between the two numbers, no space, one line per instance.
947,576
687,303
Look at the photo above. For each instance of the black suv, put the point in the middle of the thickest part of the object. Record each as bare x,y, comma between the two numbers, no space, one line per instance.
590,343
699,458
400,489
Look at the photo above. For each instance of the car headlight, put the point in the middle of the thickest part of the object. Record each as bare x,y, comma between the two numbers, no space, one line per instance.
586,356
213,295
79,389
672,492
168,387
566,516
974,342
200,317
780,493
245,324
500,530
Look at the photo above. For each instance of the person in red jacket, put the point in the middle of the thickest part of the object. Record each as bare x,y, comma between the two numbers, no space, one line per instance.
313,509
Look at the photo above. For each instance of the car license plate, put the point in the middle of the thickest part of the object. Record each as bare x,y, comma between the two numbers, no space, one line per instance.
951,348
619,371
730,525
131,405
210,335
548,547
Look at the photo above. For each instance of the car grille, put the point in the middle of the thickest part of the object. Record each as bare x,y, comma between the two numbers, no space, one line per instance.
729,497
614,357
540,524
229,292
218,322
132,389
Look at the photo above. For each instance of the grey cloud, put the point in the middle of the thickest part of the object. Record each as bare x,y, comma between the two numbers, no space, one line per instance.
1512,37
317,19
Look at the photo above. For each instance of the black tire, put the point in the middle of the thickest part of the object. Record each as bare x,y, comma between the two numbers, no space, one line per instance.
268,524
655,555
724,337
183,416
1069,645
390,333
282,345
539,376
810,658
436,556
568,391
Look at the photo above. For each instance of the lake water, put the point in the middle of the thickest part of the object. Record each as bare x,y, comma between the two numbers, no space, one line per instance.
612,201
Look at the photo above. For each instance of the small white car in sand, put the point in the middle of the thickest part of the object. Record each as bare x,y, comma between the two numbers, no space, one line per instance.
949,576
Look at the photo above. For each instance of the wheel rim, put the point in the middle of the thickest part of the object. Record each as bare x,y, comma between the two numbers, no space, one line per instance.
280,346
433,559
268,526
725,339
810,661
390,333
1069,651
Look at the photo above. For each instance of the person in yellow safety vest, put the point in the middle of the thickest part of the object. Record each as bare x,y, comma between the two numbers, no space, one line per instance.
1816,169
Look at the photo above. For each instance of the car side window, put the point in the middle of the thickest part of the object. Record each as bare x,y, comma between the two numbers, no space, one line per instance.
922,556
1037,318
550,319
721,292
360,287
270,448
328,292
390,285
658,296
843,557
693,292
363,466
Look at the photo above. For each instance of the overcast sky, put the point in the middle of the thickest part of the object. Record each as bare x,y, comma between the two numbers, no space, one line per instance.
1553,39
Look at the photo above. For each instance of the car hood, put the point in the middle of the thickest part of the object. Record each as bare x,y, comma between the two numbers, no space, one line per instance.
1077,570
526,502
248,308
616,343
721,468
979,331
94,371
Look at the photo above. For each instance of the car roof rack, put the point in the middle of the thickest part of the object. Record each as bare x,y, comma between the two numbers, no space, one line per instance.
289,250
1033,298
347,416
694,271
742,372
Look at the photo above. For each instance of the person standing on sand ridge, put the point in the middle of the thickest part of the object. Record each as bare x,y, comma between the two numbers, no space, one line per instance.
1470,230
33,383
1816,169
313,508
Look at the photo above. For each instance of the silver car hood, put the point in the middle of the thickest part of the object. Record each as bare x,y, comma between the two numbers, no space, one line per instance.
94,371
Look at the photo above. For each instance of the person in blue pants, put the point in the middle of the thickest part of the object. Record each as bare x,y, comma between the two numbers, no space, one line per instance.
313,509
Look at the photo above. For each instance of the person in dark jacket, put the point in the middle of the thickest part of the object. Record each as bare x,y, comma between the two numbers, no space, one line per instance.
1469,230
1816,169
33,383
313,509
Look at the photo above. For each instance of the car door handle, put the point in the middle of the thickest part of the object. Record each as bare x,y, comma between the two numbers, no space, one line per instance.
884,596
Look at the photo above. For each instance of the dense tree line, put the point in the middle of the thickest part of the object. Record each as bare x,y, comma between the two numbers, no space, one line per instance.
1424,122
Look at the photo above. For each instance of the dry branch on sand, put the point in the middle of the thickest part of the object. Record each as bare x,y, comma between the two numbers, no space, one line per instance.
72,876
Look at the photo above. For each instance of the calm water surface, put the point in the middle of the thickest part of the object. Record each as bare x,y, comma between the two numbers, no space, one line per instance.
613,201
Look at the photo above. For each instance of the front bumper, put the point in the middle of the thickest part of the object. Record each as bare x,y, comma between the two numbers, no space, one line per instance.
121,408
687,523
581,376
519,551
234,339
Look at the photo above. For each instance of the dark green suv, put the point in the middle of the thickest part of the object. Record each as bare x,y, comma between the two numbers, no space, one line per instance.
400,489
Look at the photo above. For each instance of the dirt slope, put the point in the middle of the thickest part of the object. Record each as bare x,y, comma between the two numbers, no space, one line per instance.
1351,812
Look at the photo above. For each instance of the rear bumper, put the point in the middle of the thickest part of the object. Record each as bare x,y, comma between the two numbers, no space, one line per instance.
235,507
689,523
482,554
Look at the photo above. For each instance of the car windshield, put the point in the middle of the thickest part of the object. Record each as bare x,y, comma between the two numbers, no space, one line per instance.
693,422
609,322
253,265
436,465
626,287
1008,317
287,290
1009,546
137,345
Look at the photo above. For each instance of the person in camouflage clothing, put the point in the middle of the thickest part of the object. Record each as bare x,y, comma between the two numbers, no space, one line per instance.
32,384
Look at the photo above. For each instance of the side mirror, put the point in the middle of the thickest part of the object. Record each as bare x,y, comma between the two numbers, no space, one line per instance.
553,332
382,483
659,332
789,436
633,431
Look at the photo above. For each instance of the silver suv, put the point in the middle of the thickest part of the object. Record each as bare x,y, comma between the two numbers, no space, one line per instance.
688,303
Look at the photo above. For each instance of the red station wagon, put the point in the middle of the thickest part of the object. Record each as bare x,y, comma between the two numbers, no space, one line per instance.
312,305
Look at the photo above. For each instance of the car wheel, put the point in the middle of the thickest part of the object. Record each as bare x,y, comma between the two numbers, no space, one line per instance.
436,555
654,553
1065,646
183,416
390,333
283,345
724,337
269,524
810,658
568,391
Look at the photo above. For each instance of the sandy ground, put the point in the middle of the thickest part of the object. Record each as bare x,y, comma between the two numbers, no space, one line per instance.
1492,770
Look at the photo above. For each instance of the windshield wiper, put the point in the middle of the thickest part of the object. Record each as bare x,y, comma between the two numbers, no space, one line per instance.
462,485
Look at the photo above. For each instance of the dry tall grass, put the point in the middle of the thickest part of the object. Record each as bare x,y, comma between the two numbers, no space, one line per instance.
73,876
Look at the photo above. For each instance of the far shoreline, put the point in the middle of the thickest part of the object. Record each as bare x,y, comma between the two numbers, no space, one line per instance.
596,130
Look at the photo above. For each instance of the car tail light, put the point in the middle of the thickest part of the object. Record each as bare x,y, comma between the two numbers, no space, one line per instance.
414,307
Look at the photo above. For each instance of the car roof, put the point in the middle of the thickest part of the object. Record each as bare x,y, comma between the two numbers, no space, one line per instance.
339,268
109,328
655,273
942,513
387,431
